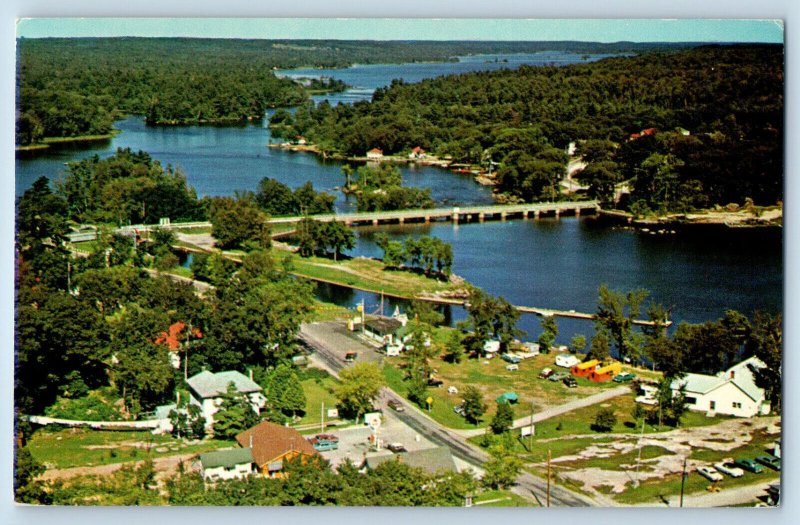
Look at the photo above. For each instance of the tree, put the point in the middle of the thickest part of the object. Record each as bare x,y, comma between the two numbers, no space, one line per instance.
238,223
235,414
502,469
359,386
577,344
425,313
454,348
616,312
766,343
503,418
144,377
599,347
284,391
338,237
26,488
474,408
490,316
604,420
549,333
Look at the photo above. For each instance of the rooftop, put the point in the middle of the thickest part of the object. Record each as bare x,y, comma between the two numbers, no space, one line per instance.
227,458
432,460
270,441
207,384
742,376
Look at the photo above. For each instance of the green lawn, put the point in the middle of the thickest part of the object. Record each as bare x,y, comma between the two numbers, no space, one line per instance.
329,312
317,393
506,499
84,447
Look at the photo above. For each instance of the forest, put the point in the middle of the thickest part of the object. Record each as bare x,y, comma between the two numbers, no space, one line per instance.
71,87
686,128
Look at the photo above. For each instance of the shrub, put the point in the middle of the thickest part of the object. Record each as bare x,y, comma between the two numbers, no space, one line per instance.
604,421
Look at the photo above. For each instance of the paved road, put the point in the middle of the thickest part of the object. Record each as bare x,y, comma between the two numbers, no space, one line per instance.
594,399
328,343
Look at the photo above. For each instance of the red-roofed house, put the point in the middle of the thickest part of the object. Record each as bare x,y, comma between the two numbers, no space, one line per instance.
272,444
417,153
375,153
173,337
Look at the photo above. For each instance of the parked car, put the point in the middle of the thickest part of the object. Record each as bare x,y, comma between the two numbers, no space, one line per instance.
512,368
452,390
769,461
514,360
323,442
624,378
570,382
727,467
396,447
709,473
350,356
545,373
459,409
559,376
396,406
749,465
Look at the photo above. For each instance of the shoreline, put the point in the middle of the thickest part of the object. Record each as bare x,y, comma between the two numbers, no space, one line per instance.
674,223
47,142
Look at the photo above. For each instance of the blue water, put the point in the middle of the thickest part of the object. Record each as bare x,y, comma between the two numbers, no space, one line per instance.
549,263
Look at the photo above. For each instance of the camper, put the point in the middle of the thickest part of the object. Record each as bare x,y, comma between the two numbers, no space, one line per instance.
567,360
584,369
605,373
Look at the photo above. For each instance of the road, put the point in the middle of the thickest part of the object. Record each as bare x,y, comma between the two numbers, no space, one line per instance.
330,345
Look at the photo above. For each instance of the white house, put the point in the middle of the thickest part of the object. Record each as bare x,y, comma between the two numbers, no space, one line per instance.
732,392
375,154
207,390
567,360
227,464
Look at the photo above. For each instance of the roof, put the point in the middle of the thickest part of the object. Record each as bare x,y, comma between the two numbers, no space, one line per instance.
227,458
432,460
588,364
162,411
743,378
383,325
375,150
207,384
508,396
271,441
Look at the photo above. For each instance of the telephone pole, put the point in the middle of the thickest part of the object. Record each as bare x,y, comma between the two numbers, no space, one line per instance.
548,477
683,479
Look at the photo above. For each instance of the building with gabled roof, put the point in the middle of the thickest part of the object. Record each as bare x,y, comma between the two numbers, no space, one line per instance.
226,464
272,444
375,153
208,389
731,392
432,460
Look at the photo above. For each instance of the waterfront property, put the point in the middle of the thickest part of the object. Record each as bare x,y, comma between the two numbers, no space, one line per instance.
207,391
731,392
272,444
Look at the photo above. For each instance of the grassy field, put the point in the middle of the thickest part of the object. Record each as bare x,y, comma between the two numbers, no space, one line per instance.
370,275
501,498
85,448
329,312
317,392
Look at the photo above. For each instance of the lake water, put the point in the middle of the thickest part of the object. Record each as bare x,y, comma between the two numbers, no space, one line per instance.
547,263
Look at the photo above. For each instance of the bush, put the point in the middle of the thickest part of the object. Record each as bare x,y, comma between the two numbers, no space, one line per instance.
96,406
604,421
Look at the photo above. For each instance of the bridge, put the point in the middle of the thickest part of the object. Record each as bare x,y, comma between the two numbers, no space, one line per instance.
455,214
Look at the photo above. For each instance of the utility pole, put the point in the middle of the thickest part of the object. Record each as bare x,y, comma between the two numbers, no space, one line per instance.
530,438
639,458
322,418
548,477
683,479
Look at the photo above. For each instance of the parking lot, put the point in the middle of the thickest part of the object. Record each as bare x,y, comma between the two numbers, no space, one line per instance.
354,441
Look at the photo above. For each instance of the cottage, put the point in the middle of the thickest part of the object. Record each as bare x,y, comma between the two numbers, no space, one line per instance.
207,390
375,154
584,369
226,464
417,153
436,460
382,329
605,373
272,444
732,392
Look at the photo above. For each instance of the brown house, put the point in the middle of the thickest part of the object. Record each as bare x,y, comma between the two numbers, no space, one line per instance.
272,444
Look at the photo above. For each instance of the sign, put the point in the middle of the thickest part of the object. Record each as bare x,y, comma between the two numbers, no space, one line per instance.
333,412
528,430
429,400
372,419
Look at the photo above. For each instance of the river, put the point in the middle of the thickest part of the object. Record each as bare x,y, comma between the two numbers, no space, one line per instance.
547,263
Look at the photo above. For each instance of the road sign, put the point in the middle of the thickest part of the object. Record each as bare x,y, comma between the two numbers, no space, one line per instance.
528,430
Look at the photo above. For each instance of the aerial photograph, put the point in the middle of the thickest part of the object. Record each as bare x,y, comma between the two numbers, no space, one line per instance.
393,262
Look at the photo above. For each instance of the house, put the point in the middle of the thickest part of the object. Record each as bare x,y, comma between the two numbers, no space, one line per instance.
732,392
584,369
567,360
647,394
605,373
172,339
375,154
208,389
382,329
417,153
432,460
272,444
226,464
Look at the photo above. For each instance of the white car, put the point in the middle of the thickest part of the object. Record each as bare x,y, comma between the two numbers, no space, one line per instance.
727,467
709,473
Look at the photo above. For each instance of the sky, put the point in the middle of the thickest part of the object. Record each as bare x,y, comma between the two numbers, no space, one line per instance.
607,30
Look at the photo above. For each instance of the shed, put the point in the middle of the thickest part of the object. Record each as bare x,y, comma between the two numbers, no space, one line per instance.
584,369
605,373
508,397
